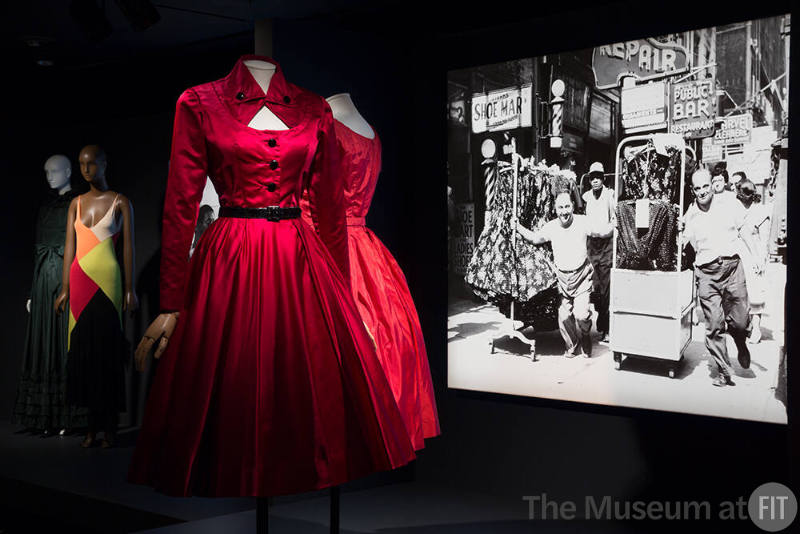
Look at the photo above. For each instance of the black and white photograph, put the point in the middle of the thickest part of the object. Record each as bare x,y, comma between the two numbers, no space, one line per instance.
617,223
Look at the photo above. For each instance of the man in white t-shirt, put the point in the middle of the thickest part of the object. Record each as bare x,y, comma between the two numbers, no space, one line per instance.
600,204
567,235
715,227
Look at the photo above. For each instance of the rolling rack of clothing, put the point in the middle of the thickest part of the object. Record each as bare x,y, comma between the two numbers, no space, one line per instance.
511,273
652,295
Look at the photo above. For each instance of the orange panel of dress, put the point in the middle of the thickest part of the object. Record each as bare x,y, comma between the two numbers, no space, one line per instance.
96,343
381,291
270,384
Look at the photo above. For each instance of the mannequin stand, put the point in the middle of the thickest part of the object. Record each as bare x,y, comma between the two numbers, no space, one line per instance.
262,512
334,519
262,515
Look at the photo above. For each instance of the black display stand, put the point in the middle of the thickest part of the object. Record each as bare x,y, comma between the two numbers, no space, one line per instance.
262,515
262,512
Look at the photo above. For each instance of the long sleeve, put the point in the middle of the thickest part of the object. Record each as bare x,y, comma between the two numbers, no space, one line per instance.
187,177
326,195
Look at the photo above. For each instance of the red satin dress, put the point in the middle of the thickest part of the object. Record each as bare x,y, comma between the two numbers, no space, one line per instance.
270,384
381,292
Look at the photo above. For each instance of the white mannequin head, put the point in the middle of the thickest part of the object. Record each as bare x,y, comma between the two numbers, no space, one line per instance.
59,170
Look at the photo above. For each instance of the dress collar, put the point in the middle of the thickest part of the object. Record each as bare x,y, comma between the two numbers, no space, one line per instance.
244,96
240,86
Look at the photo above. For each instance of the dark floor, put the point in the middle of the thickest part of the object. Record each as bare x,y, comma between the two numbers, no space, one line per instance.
52,485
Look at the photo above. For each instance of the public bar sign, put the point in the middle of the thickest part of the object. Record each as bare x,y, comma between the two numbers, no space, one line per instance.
644,107
734,130
502,110
692,109
644,59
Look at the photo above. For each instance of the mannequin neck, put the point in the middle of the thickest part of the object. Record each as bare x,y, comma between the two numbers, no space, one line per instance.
64,189
261,71
345,112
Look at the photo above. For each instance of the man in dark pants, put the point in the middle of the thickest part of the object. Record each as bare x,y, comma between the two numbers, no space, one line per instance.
713,225
600,205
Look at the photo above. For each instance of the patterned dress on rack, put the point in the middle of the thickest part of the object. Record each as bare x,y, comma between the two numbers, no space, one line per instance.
649,249
502,269
651,175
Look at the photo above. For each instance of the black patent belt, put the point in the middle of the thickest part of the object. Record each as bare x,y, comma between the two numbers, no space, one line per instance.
270,213
719,260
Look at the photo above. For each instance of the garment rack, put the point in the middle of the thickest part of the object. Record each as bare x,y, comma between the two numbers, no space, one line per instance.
509,333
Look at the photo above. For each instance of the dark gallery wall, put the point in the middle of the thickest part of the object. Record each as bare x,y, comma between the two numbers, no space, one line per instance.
394,63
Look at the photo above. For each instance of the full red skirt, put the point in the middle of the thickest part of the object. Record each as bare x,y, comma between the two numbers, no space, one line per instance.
271,384
385,304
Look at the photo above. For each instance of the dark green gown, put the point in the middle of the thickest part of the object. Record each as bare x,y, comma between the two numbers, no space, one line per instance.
40,402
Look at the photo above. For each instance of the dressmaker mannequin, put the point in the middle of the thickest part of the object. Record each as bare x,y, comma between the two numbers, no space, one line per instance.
262,73
98,296
345,112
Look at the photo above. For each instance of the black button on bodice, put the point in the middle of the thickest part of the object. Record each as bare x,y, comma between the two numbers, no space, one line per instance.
240,96
273,164
286,99
271,187
272,142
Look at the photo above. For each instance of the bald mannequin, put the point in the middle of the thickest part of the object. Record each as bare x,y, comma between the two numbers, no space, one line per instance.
95,204
90,209
40,405
345,112
58,170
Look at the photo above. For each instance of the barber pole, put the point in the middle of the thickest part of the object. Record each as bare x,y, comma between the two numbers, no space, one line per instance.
489,179
557,121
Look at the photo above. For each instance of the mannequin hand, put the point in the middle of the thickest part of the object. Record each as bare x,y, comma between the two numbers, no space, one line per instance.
131,302
28,305
160,330
61,302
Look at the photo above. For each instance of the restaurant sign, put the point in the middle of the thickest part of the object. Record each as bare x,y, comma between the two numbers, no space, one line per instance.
504,109
734,130
692,109
644,59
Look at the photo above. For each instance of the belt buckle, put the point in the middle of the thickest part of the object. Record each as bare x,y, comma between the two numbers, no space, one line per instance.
273,213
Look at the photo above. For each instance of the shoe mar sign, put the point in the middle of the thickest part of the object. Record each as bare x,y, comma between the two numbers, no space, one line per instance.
504,109
644,59
692,109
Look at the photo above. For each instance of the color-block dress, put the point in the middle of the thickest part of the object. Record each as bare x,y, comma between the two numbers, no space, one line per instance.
97,347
